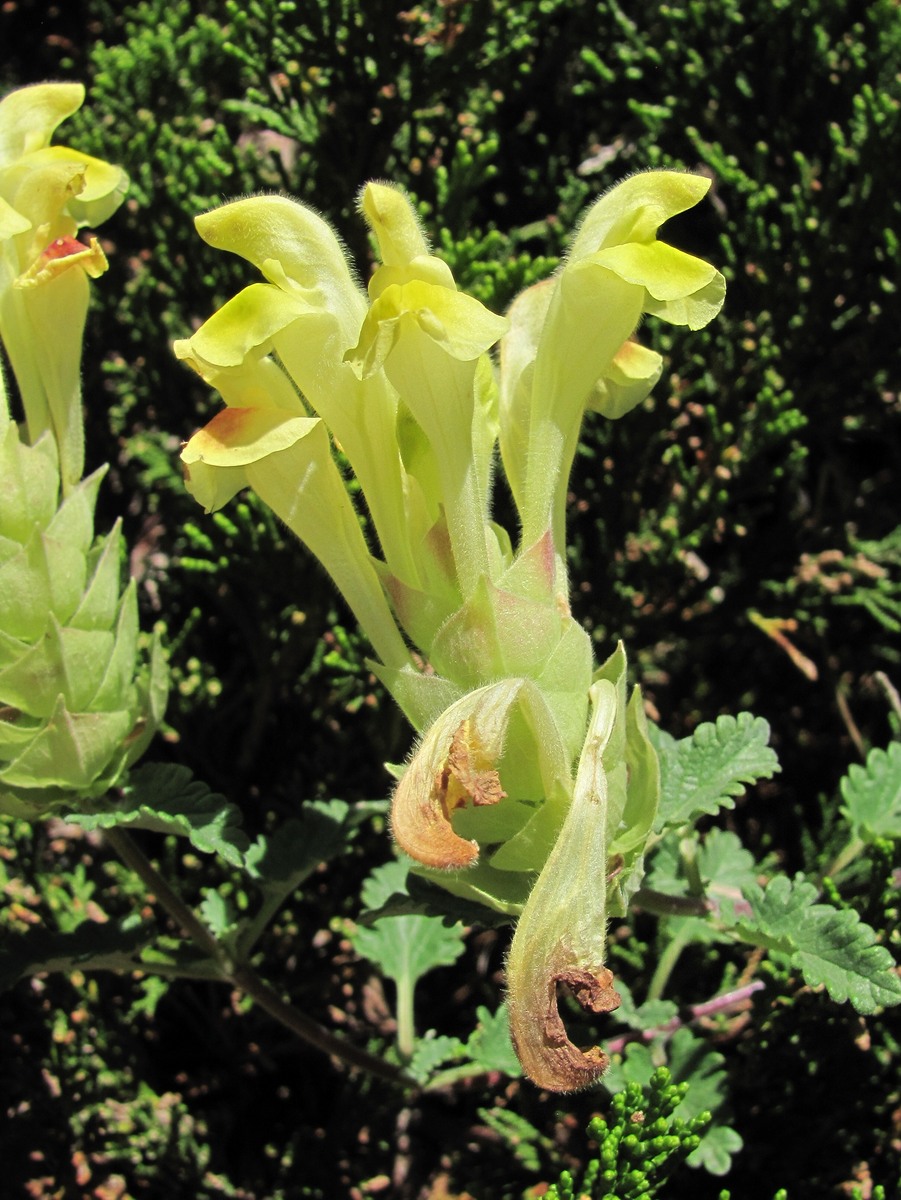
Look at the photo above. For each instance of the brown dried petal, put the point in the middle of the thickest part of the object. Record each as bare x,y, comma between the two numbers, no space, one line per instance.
426,798
548,1056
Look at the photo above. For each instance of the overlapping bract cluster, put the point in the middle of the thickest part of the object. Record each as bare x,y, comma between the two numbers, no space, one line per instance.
77,702
76,705
533,762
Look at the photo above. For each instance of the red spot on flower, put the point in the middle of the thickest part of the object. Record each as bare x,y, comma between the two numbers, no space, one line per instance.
63,247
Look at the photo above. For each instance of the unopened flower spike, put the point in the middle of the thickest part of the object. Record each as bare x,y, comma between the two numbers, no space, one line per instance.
77,704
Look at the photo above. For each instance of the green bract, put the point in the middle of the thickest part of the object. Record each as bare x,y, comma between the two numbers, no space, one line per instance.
74,713
533,763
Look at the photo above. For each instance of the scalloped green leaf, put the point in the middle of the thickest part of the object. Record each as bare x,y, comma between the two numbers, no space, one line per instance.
280,861
432,1053
490,1045
93,946
704,773
166,798
831,947
403,948
872,795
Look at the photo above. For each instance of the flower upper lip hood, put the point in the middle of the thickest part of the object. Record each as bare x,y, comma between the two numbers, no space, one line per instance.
47,190
570,335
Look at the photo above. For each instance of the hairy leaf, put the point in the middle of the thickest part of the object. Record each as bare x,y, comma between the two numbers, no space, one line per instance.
283,859
705,772
872,795
166,798
93,946
831,947
404,948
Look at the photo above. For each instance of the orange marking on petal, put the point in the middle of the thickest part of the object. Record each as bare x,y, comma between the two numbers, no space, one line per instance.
227,426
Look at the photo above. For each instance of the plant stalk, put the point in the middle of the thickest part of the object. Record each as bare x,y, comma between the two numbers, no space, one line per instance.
242,976
406,1034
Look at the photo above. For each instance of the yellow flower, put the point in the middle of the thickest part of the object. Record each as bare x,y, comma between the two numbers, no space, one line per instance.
47,193
569,348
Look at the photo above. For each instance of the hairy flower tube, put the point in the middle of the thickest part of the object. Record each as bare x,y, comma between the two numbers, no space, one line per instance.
48,193
533,786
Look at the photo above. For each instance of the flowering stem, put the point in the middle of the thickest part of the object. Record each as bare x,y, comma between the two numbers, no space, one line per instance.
242,976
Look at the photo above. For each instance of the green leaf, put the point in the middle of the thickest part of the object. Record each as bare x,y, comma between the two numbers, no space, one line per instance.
651,1015
112,946
723,864
280,861
490,1046
403,948
704,773
872,795
716,1151
165,798
434,1052
427,899
218,915
831,947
